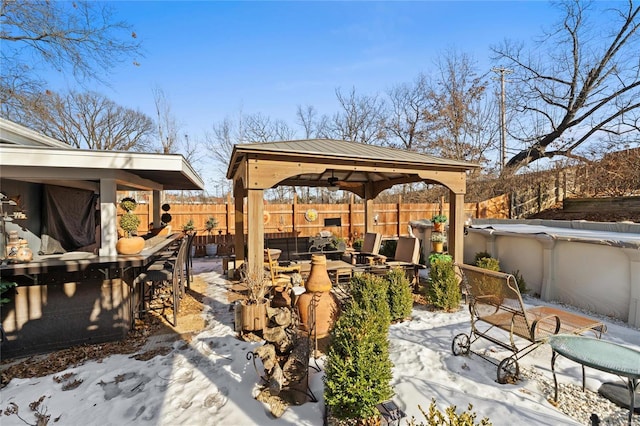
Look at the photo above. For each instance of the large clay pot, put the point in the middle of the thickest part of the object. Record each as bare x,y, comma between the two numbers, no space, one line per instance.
130,245
325,307
318,300
318,276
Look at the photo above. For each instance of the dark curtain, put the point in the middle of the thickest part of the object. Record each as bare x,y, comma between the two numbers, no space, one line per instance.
68,219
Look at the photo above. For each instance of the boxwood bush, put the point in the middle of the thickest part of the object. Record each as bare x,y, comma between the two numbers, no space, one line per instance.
358,368
399,294
443,290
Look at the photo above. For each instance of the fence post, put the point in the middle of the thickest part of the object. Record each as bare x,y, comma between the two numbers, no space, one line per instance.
398,213
351,213
512,197
294,210
539,196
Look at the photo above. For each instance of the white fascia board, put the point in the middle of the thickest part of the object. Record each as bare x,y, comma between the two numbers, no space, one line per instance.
14,133
103,163
86,159
61,174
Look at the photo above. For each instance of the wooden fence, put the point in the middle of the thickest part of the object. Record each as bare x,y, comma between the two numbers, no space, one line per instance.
594,205
390,219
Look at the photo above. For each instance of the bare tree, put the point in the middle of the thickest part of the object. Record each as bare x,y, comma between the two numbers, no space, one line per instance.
81,37
167,126
458,122
90,121
361,118
580,82
259,128
405,122
313,126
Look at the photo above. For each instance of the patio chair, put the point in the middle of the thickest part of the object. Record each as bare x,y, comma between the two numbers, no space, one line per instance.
163,282
281,273
496,307
406,257
369,251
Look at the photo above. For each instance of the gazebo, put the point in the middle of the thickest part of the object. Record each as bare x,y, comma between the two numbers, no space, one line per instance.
365,170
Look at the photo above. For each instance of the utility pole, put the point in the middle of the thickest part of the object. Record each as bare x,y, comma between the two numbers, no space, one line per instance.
503,115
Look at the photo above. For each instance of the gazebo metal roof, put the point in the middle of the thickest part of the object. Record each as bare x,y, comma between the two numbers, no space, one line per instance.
363,169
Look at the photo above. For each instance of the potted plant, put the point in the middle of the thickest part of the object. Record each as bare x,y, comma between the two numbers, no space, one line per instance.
210,225
440,256
251,313
130,243
189,226
438,222
437,240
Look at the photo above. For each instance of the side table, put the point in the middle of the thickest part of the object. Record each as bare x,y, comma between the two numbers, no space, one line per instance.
601,355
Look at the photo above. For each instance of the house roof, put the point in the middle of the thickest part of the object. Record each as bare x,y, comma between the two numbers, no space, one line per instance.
29,156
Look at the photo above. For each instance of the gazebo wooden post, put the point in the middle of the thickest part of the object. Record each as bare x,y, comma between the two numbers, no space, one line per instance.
456,226
368,208
255,231
238,238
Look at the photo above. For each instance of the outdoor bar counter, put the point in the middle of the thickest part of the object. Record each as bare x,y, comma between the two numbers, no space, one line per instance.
73,298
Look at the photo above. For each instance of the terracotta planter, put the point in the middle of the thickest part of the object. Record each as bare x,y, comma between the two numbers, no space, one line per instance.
325,307
318,276
438,227
253,317
130,245
318,302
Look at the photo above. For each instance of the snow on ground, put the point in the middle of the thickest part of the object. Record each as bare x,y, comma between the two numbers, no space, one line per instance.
211,382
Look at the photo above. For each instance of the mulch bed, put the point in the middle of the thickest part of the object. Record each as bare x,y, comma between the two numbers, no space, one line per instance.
54,362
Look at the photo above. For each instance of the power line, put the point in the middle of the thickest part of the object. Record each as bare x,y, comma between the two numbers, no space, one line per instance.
503,115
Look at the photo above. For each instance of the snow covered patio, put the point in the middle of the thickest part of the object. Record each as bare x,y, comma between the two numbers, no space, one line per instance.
210,380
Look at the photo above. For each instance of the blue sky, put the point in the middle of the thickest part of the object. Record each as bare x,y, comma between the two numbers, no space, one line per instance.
213,59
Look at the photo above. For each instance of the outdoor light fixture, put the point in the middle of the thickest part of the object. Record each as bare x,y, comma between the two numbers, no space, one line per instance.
467,223
333,183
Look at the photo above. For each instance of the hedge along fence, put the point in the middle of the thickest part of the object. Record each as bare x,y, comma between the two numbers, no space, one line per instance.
288,219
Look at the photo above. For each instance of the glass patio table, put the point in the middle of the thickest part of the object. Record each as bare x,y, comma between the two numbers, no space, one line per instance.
601,355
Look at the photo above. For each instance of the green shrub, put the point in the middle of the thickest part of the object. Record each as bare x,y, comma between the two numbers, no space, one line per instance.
388,248
399,294
436,418
479,255
5,286
358,368
128,204
439,218
489,263
522,284
129,223
366,290
440,256
443,290
357,244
